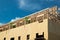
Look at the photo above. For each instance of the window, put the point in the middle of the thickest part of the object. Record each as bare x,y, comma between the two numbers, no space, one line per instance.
0,30
36,35
4,38
12,39
28,21
21,23
33,19
6,28
19,38
14,26
40,37
28,36
40,19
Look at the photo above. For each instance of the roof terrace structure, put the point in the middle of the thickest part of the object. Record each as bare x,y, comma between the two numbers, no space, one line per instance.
37,16
45,24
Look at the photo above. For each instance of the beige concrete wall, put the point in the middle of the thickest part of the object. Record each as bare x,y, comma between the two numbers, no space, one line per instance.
53,30
23,31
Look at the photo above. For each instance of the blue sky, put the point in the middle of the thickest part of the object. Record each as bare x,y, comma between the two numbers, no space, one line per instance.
15,9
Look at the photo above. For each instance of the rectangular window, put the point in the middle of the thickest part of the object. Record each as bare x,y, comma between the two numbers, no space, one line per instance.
0,30
28,21
21,23
19,38
40,19
36,35
12,39
4,38
28,36
14,26
33,19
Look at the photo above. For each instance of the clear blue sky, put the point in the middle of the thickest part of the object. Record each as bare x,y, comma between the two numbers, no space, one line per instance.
10,9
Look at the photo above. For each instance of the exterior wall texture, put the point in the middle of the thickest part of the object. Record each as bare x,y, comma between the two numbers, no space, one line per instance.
23,31
53,30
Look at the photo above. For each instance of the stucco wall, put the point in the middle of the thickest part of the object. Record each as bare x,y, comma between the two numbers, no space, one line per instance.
53,30
24,30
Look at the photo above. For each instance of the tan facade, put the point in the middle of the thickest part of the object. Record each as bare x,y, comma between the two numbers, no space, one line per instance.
43,22
23,31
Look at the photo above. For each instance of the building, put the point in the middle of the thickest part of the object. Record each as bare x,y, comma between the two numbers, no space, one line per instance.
41,25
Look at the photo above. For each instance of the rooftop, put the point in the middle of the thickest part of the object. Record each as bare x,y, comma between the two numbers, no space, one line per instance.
37,16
